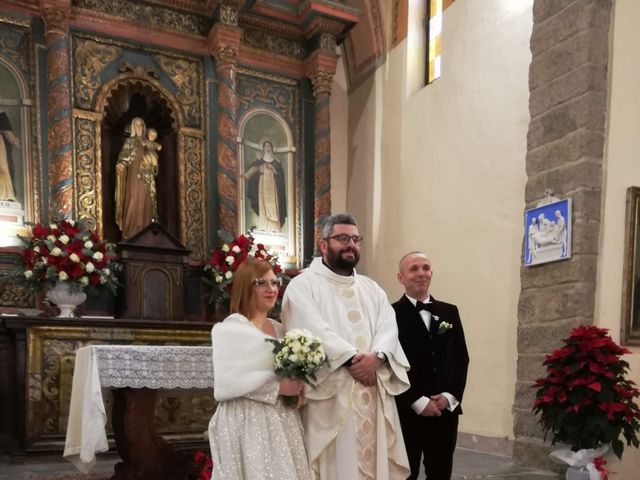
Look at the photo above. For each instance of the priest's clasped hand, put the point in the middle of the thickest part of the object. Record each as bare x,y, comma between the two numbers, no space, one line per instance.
364,367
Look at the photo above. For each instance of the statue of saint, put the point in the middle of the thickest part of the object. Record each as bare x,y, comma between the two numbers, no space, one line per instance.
7,141
266,189
136,170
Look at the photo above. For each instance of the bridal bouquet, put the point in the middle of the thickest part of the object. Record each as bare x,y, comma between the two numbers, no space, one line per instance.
299,354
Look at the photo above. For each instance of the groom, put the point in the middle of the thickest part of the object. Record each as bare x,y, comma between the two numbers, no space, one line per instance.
431,335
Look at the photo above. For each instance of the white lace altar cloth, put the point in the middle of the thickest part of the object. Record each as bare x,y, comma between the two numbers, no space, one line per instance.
119,366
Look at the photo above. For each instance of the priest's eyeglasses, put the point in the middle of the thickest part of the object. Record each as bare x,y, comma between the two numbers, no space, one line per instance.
274,283
344,239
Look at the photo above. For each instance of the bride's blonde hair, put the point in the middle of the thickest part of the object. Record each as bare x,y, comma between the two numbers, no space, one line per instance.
243,281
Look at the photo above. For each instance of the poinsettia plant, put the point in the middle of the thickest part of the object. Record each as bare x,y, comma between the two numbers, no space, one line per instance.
226,259
203,466
586,401
67,251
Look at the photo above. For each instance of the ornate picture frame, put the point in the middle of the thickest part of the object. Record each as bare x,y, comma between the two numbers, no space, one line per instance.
630,325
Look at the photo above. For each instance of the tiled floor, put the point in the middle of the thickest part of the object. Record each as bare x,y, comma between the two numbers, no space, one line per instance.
468,464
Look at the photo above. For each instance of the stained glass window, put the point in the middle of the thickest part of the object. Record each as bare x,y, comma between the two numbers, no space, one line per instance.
434,31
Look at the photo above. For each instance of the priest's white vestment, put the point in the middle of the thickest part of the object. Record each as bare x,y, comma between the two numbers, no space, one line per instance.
352,430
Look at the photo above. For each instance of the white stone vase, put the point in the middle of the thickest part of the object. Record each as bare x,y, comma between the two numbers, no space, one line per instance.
65,298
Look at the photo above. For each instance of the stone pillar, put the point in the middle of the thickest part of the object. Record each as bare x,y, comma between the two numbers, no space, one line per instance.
320,68
565,148
56,14
224,46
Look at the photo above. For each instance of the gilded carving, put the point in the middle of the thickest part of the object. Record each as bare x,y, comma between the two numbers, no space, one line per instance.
90,58
15,296
88,176
321,81
226,127
280,97
281,46
327,42
50,363
193,201
154,17
14,46
229,14
186,75
226,57
56,22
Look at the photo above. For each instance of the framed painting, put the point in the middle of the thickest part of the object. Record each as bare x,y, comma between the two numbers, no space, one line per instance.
267,185
631,272
548,232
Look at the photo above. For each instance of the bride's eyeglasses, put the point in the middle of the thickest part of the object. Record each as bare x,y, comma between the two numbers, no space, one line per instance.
274,283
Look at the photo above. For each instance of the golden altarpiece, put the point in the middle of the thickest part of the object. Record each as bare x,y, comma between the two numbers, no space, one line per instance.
223,83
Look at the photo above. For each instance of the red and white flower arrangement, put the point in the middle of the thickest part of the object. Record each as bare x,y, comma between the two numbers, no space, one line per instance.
226,259
585,401
70,252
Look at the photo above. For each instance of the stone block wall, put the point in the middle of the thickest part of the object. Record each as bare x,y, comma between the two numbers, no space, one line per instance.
565,148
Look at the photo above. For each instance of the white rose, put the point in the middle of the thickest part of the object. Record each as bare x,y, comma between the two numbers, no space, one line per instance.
225,248
89,267
236,249
295,346
84,280
53,226
71,222
98,256
219,278
56,252
228,275
63,276
293,358
229,259
106,272
51,238
36,248
28,273
74,258
64,239
88,244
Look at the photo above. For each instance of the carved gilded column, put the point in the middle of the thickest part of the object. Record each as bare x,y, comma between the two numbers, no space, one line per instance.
55,14
224,46
321,67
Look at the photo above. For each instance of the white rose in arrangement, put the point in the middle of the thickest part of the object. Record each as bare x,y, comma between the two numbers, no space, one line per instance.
71,222
74,258
225,248
106,272
36,248
84,280
235,249
98,256
219,278
28,273
64,239
51,238
228,275
56,252
63,276
88,244
229,259
89,267
53,226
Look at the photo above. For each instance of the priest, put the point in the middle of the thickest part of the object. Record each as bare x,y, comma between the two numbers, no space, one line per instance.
351,420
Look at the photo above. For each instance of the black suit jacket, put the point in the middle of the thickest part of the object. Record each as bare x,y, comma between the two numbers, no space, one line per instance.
439,361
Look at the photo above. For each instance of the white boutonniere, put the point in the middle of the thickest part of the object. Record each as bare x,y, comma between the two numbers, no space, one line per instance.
444,327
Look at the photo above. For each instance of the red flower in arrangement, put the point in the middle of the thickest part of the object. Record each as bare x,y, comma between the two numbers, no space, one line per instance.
585,401
67,251
226,259
203,465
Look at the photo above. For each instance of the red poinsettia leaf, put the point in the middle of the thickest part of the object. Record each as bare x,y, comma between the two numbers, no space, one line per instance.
595,386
